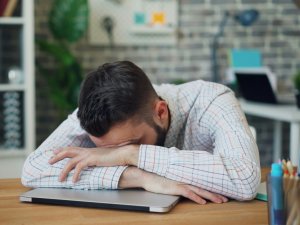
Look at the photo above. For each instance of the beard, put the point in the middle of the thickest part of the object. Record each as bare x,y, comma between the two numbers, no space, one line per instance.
161,134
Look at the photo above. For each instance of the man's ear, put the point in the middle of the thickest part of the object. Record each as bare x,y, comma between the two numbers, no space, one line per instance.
161,113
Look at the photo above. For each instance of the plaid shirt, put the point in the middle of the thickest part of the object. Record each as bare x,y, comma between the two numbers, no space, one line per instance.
208,145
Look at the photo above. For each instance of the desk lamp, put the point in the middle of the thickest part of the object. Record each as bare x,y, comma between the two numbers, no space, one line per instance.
245,18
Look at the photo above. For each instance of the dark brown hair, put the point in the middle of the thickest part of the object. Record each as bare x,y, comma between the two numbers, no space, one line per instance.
114,93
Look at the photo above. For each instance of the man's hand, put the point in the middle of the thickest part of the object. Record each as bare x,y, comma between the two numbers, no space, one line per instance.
134,177
86,157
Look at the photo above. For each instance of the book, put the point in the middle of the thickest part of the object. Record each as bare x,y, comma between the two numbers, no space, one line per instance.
10,8
3,4
262,192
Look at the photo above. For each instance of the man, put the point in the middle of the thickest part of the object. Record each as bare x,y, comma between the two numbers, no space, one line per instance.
191,140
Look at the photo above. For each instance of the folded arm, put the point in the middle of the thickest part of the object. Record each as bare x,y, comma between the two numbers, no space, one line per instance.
37,172
232,170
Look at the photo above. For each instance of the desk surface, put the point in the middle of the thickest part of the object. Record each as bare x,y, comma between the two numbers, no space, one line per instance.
12,212
288,113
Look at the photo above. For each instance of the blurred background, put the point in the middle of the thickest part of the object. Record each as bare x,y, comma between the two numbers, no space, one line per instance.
47,47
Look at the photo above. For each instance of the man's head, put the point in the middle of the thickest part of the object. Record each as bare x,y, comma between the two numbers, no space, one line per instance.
118,106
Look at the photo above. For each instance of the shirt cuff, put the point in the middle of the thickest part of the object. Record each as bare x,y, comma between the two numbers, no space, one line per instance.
106,177
154,159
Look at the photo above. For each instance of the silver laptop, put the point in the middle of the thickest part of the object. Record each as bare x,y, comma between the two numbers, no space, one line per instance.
128,199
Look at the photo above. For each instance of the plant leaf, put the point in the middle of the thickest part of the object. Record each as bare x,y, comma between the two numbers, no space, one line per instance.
297,81
57,51
68,19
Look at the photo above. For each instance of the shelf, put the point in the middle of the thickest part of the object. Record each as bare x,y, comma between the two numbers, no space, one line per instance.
152,30
20,33
5,153
12,87
11,21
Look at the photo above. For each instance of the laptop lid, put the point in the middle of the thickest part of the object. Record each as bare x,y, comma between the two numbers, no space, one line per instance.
128,199
255,87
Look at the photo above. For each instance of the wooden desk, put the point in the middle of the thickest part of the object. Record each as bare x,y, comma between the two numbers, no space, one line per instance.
12,212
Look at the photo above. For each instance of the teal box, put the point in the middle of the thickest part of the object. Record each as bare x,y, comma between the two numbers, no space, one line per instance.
245,58
139,18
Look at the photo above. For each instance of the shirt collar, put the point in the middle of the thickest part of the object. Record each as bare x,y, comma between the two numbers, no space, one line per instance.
177,121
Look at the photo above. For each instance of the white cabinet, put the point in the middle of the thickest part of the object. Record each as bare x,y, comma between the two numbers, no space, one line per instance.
17,102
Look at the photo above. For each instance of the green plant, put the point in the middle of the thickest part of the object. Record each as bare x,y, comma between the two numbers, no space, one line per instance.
178,81
297,81
67,22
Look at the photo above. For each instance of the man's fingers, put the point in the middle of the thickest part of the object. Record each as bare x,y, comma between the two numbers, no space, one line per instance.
80,166
67,169
80,158
190,194
216,198
66,153
56,151
198,195
224,198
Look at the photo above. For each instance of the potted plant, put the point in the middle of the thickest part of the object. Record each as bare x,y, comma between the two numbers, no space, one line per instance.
297,86
67,23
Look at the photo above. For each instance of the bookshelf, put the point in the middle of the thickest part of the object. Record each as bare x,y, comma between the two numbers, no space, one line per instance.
17,89
11,21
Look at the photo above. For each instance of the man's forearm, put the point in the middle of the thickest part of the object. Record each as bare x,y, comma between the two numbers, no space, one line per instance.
130,154
132,177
